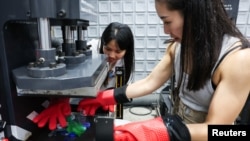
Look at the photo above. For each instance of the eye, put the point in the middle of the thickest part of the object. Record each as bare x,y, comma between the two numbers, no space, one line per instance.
107,48
118,51
167,23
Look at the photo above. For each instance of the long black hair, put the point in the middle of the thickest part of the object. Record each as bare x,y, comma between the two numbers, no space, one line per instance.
123,36
205,24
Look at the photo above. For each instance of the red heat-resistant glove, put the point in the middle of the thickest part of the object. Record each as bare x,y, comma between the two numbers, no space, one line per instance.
104,99
169,128
149,130
56,113
110,108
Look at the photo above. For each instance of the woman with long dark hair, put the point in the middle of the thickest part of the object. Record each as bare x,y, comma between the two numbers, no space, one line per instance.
117,43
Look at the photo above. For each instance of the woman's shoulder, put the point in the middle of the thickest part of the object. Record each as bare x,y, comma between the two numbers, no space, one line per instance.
242,55
237,60
172,48
235,65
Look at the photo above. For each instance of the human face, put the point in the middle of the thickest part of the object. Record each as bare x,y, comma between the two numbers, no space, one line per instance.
172,21
113,51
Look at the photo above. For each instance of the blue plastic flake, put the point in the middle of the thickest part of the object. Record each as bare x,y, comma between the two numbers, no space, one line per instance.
86,124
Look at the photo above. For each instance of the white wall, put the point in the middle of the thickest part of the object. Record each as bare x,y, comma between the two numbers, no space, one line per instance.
243,18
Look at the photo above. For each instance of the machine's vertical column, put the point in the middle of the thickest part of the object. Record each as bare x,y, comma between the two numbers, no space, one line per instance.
119,82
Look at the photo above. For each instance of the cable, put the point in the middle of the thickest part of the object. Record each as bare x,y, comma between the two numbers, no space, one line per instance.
140,114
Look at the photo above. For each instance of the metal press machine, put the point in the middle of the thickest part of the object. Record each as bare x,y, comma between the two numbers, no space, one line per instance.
35,66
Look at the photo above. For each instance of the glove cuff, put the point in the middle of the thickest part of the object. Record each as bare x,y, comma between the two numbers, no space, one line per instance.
178,131
120,95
